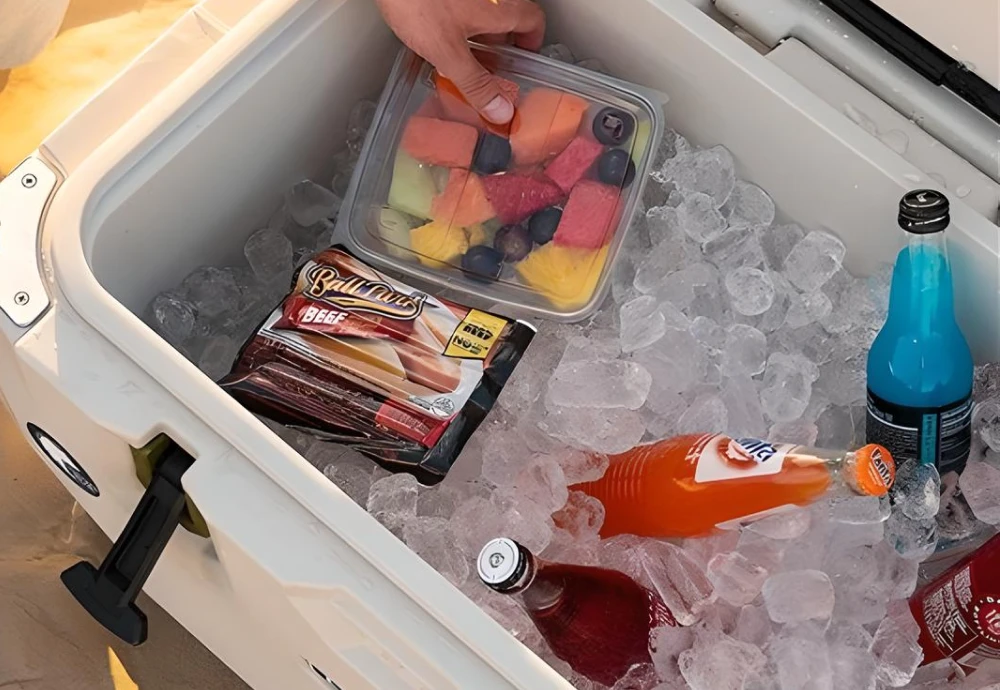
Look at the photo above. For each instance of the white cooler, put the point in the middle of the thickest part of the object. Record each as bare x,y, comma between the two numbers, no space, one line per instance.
177,161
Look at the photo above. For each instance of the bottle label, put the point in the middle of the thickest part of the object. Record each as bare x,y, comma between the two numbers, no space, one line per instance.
942,435
723,458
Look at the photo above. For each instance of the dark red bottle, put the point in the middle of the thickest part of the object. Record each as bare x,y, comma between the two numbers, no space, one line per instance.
959,612
596,620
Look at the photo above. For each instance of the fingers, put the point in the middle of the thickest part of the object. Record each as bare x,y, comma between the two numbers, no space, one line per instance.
479,87
526,23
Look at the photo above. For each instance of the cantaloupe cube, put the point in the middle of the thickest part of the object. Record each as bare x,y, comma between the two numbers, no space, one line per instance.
439,142
463,202
544,124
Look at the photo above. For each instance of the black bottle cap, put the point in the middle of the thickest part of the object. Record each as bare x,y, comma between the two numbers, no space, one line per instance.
924,211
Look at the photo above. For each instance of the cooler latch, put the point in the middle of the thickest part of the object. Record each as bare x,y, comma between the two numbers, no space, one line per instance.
108,593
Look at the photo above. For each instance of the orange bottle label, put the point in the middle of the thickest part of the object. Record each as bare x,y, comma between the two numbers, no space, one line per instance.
723,458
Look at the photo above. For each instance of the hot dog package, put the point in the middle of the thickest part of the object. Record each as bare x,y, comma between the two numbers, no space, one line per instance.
354,357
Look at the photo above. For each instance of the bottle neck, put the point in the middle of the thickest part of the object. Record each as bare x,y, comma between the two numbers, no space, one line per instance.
544,589
921,295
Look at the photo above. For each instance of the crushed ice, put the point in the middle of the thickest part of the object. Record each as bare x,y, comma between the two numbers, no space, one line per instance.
719,320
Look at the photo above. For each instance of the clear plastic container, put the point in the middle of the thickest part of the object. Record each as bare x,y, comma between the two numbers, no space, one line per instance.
528,216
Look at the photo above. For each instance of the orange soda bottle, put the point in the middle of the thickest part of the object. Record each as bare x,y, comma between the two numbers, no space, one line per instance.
689,485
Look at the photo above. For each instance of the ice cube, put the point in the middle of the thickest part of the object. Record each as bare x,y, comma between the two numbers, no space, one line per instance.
939,676
745,351
802,661
212,291
642,323
603,430
912,539
680,288
807,308
748,206
852,668
666,645
543,483
746,417
594,65
392,500
711,171
674,362
705,415
736,579
849,635
218,356
753,626
980,485
710,334
354,480
917,490
986,421
505,454
480,520
850,509
735,248
579,467
751,291
895,646
600,385
836,427
434,541
662,261
558,51
898,573
787,386
582,516
681,583
799,595
814,261
269,253
173,318
790,523
700,219
523,520
719,662
799,432
777,243
359,122
308,203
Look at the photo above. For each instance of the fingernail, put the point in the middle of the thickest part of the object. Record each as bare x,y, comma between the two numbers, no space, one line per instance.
499,110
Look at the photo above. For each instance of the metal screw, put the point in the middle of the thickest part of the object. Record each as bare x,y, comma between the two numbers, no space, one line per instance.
29,180
21,299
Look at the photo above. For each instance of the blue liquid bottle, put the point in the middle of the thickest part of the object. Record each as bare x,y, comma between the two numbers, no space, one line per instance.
920,367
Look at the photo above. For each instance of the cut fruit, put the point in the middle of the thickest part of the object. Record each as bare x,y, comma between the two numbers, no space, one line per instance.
439,142
515,197
544,124
587,220
572,164
394,228
566,276
438,244
463,202
412,188
455,107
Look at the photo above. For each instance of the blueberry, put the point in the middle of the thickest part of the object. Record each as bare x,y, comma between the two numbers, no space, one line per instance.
615,167
513,242
492,154
543,224
483,262
613,127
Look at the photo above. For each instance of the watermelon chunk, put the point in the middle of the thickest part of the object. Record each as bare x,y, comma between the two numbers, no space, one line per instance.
572,164
544,124
455,107
588,219
439,142
515,197
463,202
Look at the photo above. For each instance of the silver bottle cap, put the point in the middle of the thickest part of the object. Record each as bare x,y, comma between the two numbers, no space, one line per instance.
502,564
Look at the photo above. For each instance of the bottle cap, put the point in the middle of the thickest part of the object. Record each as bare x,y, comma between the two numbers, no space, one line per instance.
502,563
873,472
924,211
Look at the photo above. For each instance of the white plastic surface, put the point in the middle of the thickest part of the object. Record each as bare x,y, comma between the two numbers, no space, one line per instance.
295,573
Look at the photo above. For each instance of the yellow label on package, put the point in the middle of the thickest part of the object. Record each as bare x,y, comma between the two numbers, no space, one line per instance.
475,335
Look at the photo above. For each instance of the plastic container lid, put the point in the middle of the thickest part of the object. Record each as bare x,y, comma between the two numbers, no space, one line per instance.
528,216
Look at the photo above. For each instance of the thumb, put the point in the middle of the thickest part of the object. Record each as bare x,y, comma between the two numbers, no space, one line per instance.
479,87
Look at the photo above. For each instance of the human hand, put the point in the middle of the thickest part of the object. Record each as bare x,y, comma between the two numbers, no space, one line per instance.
437,30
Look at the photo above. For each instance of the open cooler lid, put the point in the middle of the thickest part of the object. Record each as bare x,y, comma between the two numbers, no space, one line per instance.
898,33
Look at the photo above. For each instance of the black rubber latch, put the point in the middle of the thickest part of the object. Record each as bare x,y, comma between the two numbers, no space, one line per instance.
108,593
919,54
